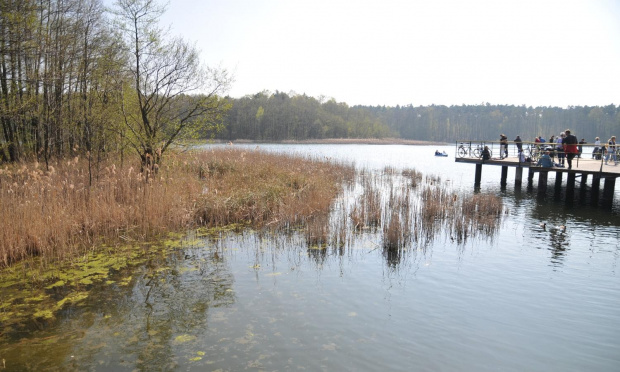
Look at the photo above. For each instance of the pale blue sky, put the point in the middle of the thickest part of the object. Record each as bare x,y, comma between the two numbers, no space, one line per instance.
389,52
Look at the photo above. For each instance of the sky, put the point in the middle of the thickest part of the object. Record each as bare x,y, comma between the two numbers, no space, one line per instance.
396,52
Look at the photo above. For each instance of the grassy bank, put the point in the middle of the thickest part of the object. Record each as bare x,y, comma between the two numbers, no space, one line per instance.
62,211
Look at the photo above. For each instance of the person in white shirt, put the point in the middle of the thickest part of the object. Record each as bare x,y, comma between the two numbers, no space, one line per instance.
611,150
559,149
596,153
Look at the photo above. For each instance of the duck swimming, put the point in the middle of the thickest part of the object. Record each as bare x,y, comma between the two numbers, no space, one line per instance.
558,227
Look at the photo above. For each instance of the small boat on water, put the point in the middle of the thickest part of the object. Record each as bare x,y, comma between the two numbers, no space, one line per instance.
437,153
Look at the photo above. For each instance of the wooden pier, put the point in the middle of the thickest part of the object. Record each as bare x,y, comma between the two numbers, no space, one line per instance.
583,168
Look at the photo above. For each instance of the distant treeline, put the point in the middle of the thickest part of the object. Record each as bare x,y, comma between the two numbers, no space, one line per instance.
279,116
78,78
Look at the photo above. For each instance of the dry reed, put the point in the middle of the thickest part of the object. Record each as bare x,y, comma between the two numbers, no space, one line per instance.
413,209
367,211
56,213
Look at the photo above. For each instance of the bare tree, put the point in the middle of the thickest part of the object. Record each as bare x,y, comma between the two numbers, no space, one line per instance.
173,95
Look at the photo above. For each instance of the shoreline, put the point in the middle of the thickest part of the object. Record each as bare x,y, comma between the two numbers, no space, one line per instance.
348,141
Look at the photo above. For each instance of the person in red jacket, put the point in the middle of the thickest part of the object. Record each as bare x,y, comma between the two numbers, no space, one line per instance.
570,147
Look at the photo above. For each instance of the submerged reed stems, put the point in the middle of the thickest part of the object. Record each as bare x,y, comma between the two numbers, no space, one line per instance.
412,209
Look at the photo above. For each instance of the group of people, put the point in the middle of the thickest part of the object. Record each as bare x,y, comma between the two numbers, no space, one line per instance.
607,151
566,146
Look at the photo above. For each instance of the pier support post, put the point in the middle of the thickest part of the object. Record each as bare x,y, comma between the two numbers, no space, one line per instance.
583,187
558,181
530,178
570,186
557,190
596,188
518,177
608,191
504,176
542,182
478,176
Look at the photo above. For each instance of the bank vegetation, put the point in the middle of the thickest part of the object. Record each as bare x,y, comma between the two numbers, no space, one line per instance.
66,209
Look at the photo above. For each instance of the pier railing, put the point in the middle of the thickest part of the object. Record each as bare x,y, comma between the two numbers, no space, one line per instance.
473,149
592,162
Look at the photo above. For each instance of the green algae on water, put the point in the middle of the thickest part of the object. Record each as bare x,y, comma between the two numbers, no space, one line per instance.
33,289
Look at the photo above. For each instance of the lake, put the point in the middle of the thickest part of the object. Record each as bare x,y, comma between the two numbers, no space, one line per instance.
522,298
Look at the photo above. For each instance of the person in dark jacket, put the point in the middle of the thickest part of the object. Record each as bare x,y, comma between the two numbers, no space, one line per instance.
503,146
486,154
519,143
570,147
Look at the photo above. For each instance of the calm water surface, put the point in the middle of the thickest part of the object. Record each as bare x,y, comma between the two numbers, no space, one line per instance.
524,299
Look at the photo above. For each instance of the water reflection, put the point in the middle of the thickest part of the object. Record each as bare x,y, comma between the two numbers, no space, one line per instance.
137,327
565,223
559,244
343,295
393,256
167,308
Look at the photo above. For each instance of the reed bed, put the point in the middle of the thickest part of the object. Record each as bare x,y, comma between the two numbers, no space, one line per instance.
413,176
397,229
266,190
479,213
411,209
368,210
64,210
61,211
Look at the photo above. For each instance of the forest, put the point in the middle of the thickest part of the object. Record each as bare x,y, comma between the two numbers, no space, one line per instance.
279,116
79,78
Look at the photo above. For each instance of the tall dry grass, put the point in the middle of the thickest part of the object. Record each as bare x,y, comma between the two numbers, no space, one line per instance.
368,210
57,213
412,209
266,189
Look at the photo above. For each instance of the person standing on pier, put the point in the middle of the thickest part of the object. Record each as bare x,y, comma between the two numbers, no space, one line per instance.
559,148
519,143
503,146
596,153
611,150
570,147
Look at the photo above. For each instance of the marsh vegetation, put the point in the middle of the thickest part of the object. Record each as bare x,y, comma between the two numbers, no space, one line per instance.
65,210
66,229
